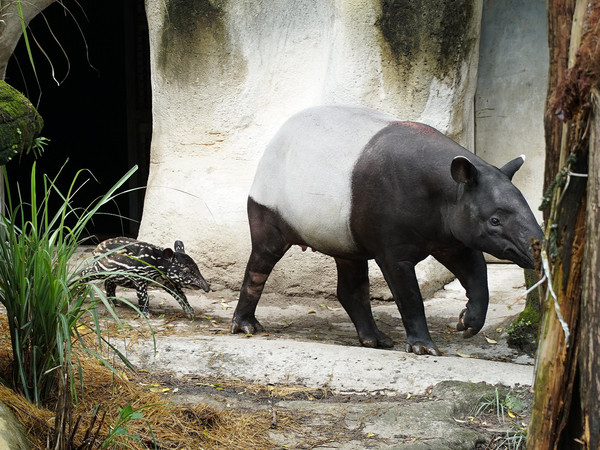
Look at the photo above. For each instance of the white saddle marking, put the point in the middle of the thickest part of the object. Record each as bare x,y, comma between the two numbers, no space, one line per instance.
305,173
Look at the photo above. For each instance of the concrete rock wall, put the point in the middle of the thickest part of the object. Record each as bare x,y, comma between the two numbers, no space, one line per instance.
227,74
511,90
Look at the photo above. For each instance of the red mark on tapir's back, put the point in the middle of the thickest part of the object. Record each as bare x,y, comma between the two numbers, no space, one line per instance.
419,127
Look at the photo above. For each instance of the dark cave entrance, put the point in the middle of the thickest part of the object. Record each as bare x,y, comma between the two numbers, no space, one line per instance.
100,116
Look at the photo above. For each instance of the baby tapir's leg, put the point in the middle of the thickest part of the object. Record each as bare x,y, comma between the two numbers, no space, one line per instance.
110,287
179,295
141,288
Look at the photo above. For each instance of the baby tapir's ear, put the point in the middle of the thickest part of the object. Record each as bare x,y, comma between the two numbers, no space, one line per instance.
167,253
178,246
463,171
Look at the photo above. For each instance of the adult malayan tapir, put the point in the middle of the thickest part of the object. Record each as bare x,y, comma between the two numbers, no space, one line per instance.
358,184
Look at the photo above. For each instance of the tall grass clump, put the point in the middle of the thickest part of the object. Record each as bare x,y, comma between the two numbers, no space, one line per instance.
45,300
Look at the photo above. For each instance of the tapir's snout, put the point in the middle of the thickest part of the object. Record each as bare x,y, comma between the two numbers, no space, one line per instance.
526,259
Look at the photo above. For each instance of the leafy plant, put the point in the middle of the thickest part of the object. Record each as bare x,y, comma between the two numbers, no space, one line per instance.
44,299
120,434
507,408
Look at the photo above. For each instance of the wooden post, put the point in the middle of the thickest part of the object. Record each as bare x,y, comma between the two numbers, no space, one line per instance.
566,408
589,353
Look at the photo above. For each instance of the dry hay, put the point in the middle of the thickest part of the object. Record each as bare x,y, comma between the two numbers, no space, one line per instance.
171,425
571,95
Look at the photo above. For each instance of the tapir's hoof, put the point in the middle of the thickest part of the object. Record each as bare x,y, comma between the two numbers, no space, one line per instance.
463,326
419,348
251,326
380,340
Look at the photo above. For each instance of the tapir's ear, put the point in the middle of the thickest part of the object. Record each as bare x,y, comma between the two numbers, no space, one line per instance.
167,253
463,171
511,167
178,246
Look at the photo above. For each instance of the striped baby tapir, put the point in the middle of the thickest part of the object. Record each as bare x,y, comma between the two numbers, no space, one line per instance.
358,184
134,264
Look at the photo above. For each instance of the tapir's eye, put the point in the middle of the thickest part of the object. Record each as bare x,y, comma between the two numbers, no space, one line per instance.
495,221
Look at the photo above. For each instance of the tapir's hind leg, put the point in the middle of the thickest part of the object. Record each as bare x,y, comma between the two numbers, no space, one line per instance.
353,294
268,247
402,280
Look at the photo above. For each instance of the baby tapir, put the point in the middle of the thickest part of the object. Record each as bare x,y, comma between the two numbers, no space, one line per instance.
130,263
358,184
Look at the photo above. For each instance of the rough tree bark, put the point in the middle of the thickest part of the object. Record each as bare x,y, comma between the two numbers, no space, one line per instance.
10,25
589,352
566,403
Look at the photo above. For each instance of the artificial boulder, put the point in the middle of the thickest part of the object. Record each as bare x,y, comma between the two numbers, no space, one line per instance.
226,75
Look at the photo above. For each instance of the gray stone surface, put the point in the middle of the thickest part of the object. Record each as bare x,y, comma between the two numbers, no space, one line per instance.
347,396
12,434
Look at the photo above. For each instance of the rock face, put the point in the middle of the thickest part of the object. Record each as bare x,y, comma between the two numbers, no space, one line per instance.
227,74
12,435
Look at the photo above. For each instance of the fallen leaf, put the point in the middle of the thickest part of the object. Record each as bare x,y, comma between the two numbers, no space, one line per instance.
463,355
312,311
490,341
225,305
333,309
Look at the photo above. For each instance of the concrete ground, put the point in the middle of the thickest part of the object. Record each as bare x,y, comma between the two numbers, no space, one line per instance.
348,396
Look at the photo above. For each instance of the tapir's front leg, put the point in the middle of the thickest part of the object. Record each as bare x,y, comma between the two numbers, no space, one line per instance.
402,280
470,268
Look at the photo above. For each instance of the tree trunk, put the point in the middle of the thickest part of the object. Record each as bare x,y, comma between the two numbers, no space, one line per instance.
566,388
589,352
11,28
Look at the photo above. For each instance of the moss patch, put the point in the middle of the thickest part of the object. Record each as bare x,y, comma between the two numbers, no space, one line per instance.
437,31
523,332
20,123
193,35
